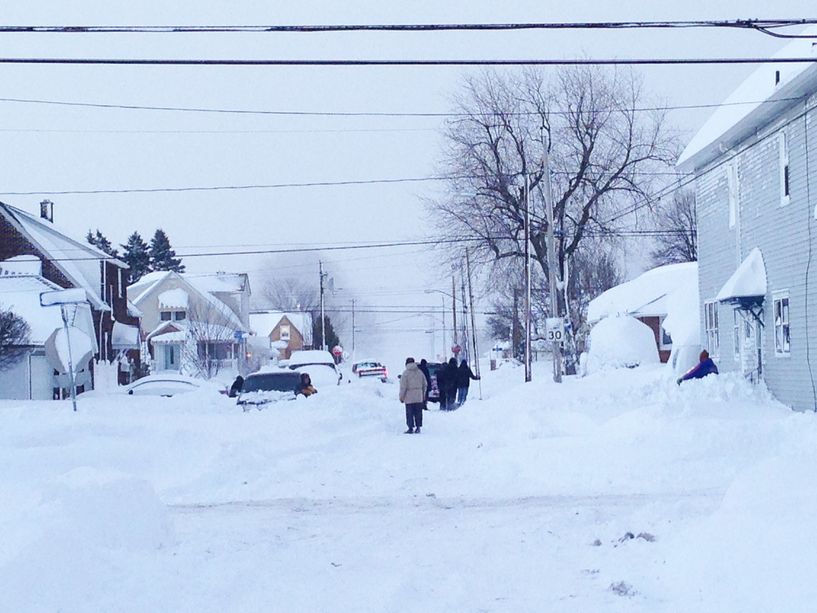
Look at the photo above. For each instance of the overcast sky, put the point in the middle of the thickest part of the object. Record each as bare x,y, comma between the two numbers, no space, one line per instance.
59,148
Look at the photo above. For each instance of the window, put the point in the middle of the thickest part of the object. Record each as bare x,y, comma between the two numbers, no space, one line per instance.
713,340
785,177
179,315
285,332
165,315
734,203
736,321
782,341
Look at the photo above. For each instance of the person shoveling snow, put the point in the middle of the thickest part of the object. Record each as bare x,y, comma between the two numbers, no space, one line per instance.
703,368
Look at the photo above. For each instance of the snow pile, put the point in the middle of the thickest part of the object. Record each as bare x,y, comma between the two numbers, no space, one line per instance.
683,324
621,342
87,526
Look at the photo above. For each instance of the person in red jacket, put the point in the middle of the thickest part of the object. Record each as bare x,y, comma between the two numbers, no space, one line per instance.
703,368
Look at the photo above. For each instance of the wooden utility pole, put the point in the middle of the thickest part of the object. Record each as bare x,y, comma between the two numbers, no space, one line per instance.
323,316
551,255
527,280
454,306
475,360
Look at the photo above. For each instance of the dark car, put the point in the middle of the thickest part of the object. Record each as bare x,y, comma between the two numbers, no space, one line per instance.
265,387
434,392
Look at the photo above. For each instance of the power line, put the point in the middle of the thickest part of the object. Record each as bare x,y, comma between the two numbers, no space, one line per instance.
689,61
765,26
212,188
385,114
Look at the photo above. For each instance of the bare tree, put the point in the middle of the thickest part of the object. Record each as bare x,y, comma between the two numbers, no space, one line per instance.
603,149
14,333
678,220
210,340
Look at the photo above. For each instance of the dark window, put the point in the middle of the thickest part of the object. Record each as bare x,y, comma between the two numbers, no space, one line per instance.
165,315
786,180
271,382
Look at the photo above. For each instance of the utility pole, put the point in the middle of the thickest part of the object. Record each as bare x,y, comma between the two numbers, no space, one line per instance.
323,316
515,323
551,254
442,312
353,330
475,360
464,351
454,306
527,279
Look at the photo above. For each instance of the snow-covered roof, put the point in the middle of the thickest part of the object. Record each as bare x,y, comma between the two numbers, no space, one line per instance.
22,265
748,281
310,356
139,291
769,90
173,299
218,281
124,336
21,295
264,322
75,258
647,294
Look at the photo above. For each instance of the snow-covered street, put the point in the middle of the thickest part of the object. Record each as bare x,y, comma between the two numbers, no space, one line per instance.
620,491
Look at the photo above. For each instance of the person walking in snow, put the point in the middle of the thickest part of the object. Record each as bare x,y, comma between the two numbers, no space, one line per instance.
703,368
424,369
448,389
464,377
412,394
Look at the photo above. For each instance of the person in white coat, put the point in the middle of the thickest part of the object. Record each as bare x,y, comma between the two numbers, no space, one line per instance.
413,394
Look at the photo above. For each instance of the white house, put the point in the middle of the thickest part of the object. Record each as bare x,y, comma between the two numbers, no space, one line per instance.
40,371
193,323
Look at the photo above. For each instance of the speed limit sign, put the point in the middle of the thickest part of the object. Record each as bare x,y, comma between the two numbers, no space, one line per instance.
555,329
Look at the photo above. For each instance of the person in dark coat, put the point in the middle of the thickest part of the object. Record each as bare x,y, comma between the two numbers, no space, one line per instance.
424,369
464,376
449,387
235,388
703,368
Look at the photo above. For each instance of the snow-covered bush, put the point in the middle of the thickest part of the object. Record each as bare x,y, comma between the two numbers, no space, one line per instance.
621,342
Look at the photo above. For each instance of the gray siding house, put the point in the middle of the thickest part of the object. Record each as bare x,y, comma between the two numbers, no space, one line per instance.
755,167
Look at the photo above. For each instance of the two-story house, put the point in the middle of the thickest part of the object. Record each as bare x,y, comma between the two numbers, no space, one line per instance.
755,165
194,323
72,263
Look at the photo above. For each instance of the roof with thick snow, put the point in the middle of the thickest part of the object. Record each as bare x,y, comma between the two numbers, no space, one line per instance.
646,295
264,322
767,92
21,295
75,258
748,281
217,282
139,291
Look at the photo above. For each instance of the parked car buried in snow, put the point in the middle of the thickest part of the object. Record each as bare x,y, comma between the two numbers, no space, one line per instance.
320,365
370,368
164,385
262,388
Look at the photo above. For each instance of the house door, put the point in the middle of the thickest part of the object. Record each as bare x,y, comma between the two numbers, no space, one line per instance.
171,357
751,359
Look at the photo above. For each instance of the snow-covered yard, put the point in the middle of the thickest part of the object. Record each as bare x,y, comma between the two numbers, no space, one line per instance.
616,492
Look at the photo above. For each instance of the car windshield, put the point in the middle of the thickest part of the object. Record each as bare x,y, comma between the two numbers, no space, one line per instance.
271,382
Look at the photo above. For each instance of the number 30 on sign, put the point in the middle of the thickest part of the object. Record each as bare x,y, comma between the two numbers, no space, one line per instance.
555,329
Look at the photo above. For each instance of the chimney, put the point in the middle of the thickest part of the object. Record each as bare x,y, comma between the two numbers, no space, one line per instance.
47,210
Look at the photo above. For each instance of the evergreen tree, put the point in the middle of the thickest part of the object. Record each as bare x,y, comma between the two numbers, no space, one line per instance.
331,337
99,241
162,256
136,255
